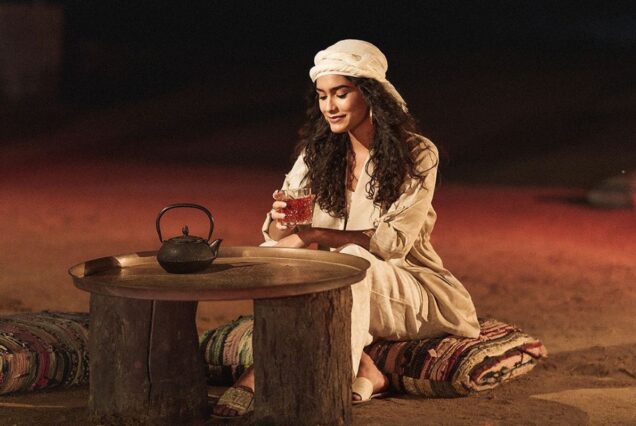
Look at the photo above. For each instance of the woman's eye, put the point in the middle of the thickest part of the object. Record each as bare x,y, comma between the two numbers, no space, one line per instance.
342,95
322,98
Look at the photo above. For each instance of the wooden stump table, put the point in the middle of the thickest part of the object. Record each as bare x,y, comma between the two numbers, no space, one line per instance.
145,364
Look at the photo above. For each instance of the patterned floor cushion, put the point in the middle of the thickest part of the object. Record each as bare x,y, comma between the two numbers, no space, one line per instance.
448,366
227,350
453,366
43,350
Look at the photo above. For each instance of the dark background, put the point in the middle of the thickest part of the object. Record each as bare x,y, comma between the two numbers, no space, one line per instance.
513,92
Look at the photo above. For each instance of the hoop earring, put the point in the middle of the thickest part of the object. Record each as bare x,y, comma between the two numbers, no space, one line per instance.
371,114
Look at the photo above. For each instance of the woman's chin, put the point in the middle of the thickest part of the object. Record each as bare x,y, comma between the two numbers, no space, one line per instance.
337,129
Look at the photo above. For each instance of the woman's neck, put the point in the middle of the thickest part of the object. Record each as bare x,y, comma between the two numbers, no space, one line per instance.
362,137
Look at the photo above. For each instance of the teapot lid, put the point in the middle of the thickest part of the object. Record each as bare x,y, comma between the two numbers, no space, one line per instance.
185,238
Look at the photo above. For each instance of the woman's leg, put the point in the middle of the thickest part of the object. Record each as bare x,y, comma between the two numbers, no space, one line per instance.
387,304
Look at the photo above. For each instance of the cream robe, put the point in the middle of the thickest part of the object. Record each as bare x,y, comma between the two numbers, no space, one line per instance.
411,294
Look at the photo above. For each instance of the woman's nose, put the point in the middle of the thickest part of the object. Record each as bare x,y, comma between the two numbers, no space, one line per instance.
330,104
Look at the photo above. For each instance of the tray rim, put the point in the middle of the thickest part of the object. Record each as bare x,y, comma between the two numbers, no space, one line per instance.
85,281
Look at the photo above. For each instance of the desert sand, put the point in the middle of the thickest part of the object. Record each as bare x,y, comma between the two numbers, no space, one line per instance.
536,257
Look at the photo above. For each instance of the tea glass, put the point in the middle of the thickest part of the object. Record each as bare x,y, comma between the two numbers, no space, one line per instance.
300,206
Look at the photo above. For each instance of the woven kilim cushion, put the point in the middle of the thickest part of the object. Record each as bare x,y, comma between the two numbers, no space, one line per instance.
227,350
43,350
447,366
453,366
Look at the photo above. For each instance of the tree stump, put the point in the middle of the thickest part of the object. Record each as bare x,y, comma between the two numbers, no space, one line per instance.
302,359
135,377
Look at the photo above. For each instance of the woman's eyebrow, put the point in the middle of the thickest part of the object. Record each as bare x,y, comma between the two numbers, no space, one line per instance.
333,89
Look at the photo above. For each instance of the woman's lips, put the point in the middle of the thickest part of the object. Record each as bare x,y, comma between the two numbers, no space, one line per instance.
335,118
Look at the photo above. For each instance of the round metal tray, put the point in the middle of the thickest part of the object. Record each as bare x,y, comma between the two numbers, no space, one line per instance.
237,273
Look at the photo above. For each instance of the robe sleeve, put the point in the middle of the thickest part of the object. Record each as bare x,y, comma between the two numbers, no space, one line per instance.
400,226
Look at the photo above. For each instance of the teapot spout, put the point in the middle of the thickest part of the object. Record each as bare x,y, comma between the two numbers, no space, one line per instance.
214,247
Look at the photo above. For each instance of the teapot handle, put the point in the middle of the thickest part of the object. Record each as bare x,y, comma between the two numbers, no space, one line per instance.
185,205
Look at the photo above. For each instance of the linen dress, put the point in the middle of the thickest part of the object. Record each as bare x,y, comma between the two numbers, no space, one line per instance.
407,293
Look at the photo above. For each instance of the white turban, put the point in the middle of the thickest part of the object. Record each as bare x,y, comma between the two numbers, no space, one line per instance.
355,58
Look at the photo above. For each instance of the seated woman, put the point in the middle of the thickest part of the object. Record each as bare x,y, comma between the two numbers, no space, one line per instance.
373,177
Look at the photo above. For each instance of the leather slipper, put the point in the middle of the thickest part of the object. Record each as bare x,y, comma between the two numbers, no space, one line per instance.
238,398
364,389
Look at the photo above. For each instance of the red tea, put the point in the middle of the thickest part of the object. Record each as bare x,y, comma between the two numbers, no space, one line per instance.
299,211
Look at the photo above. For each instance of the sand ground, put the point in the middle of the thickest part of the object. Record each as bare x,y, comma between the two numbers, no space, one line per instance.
536,257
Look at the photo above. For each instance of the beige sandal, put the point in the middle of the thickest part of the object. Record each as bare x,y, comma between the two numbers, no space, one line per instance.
364,389
238,398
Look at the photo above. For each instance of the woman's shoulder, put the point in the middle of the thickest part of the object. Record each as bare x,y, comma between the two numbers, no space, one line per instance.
424,152
419,142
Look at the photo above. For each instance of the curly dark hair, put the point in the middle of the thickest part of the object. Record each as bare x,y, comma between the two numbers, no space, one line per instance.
394,150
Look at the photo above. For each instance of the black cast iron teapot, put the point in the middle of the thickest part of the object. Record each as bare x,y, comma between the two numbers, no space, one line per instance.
186,253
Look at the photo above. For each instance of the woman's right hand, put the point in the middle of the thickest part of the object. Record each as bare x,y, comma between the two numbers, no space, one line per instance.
277,206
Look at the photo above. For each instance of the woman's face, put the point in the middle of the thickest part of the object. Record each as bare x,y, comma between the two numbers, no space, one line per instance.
341,103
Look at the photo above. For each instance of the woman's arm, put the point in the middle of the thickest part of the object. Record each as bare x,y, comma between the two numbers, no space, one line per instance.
326,237
402,224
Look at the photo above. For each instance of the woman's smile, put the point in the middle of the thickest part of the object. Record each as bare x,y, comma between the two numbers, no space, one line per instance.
335,118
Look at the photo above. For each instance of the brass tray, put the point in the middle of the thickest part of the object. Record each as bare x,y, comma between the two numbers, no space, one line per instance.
237,273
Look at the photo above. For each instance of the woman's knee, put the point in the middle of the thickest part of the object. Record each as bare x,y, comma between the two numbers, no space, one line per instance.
359,251
354,250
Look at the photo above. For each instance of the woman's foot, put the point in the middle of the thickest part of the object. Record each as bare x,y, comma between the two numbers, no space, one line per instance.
368,370
238,399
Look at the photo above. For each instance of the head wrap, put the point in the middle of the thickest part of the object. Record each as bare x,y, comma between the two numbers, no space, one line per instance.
355,58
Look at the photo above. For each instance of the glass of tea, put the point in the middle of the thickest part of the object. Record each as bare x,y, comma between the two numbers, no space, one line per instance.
300,206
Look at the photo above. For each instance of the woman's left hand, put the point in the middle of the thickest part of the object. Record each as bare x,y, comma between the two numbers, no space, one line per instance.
296,240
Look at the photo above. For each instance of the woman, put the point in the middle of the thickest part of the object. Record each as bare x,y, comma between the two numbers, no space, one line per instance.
373,177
